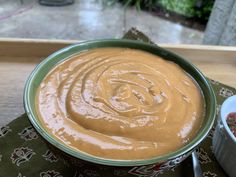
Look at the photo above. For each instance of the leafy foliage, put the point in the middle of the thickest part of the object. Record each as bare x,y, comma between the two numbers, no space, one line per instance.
139,4
189,8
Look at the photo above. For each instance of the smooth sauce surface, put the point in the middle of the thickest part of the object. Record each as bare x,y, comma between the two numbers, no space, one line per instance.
120,104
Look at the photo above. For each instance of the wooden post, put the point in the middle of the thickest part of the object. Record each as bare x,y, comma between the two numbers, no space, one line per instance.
229,35
221,26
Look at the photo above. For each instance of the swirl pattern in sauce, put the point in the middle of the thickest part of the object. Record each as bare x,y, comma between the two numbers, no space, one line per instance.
120,104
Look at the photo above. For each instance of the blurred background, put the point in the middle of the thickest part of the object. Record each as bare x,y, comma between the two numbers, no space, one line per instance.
164,21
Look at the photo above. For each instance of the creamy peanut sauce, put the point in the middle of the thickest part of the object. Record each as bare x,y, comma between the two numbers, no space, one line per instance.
120,104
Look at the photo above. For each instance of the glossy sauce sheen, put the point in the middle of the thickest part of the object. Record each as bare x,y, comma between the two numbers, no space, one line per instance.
120,103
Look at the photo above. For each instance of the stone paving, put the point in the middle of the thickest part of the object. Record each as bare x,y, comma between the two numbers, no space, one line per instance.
86,20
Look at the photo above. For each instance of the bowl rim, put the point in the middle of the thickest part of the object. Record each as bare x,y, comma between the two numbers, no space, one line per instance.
229,100
114,162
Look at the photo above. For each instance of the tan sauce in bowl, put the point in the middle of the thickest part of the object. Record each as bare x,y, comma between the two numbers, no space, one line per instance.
120,103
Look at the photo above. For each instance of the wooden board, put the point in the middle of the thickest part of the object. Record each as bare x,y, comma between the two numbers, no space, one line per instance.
18,57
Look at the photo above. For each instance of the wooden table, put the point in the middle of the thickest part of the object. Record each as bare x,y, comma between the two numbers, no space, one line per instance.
18,57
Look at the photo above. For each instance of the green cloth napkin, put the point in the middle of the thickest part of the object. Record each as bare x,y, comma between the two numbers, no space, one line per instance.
24,154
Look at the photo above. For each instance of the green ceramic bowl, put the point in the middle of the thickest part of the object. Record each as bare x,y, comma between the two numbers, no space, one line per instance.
108,167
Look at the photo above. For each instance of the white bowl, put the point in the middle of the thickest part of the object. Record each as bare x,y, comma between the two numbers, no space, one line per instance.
224,142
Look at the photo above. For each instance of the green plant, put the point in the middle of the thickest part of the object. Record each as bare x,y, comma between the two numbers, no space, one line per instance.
139,4
190,8
183,7
203,9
